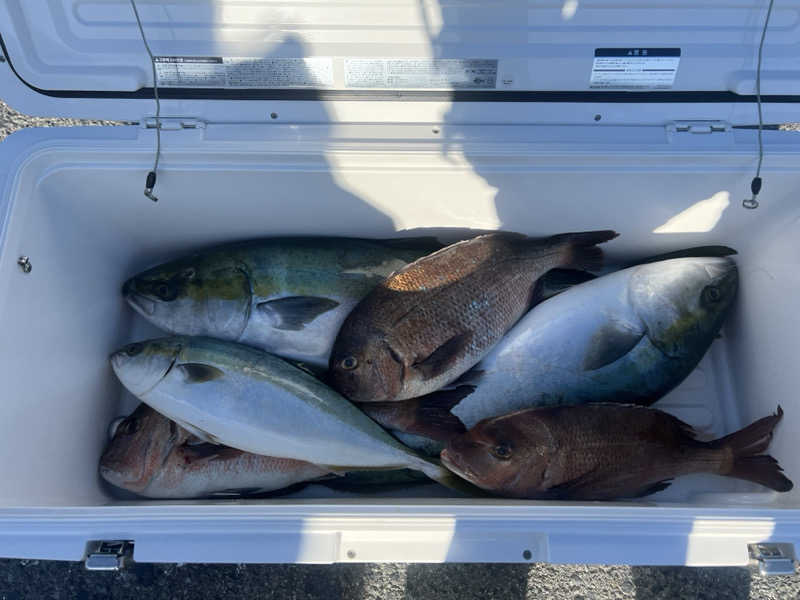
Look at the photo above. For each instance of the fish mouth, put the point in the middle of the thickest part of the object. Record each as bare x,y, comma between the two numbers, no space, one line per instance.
141,304
116,476
449,462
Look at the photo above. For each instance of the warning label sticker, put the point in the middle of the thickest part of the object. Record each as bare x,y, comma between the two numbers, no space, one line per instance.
420,73
237,72
635,68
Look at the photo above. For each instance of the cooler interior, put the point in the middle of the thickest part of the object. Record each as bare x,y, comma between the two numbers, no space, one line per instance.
75,207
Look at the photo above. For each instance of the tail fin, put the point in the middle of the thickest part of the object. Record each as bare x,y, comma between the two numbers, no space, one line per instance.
748,463
556,281
428,416
753,439
761,469
434,419
582,252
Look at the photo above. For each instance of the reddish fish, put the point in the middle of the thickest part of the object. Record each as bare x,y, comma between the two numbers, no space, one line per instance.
604,451
434,319
152,456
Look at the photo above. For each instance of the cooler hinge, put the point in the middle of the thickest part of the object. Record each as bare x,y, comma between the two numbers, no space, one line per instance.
108,555
698,127
174,123
773,558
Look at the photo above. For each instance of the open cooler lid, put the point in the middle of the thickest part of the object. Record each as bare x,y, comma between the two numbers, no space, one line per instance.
504,60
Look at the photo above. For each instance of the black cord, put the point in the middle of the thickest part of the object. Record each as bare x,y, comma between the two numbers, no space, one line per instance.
150,182
755,185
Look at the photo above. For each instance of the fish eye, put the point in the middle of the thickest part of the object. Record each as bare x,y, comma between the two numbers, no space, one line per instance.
189,273
164,291
349,363
712,294
128,427
502,451
134,349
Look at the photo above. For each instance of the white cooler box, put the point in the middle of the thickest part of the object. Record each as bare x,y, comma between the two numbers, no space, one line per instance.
463,118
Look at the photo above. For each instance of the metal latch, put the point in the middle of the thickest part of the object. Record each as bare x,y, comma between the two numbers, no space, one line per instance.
773,558
106,555
695,131
699,127
174,123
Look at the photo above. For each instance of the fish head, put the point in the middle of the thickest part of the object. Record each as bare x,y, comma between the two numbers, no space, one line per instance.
197,295
142,365
364,367
498,455
138,448
684,301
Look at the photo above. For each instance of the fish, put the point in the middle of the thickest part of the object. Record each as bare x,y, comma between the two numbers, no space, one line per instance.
422,416
435,318
630,337
556,281
152,456
288,296
603,452
238,396
423,423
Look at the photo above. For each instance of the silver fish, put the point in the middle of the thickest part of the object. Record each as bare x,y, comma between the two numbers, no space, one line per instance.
630,336
238,396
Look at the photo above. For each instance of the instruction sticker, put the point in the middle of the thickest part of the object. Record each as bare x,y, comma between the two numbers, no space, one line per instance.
635,68
424,73
238,72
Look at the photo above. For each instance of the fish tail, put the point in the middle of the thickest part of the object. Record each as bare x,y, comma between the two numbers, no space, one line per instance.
433,416
748,463
580,249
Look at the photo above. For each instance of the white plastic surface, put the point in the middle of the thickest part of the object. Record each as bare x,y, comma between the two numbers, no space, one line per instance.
83,45
72,201
89,45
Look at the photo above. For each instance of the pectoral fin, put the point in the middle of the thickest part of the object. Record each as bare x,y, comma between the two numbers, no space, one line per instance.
444,357
611,342
199,373
295,312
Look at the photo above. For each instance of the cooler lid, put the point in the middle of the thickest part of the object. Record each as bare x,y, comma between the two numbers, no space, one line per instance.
87,57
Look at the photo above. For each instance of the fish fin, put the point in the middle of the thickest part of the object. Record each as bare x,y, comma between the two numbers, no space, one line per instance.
199,373
428,416
556,281
610,343
208,451
433,417
652,489
748,462
572,488
200,435
471,378
750,440
581,251
697,251
295,312
762,469
423,243
444,356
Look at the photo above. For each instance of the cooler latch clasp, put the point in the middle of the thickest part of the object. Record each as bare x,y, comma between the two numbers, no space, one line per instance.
108,555
773,558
